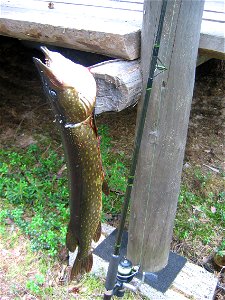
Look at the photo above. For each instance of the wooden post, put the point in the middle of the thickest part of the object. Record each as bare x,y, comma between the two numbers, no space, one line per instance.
157,179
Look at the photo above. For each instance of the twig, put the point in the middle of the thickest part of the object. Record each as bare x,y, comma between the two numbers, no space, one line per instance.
212,168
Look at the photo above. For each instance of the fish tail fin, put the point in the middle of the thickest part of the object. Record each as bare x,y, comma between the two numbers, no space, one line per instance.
98,232
81,266
71,240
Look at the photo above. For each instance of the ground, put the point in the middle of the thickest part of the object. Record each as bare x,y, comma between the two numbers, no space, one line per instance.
25,117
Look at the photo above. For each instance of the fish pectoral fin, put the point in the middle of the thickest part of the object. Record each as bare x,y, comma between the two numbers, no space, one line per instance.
98,232
105,188
71,240
81,266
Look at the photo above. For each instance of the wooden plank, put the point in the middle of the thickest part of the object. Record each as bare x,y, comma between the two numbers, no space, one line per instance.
121,44
102,34
108,27
212,40
119,84
31,9
124,5
214,17
157,179
193,282
214,5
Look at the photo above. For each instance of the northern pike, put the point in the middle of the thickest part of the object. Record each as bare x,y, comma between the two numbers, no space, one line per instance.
71,90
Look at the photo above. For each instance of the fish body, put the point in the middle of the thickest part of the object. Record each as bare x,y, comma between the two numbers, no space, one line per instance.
71,90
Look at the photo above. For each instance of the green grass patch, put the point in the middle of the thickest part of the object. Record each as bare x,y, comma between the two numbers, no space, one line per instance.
201,210
35,193
33,196
116,173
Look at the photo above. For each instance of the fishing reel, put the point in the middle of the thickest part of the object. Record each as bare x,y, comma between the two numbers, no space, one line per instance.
126,272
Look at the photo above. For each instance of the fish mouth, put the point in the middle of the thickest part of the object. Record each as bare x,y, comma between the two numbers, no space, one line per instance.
47,53
62,73
45,68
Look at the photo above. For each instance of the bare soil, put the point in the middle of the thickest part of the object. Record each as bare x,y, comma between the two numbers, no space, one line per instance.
25,118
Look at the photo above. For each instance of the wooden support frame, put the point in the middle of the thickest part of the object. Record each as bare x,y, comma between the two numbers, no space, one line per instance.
119,84
157,180
109,27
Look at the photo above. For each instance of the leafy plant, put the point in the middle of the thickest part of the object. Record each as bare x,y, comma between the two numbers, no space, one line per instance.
39,196
35,285
221,248
200,215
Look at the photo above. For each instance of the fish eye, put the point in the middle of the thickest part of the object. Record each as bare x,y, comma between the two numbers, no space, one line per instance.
53,93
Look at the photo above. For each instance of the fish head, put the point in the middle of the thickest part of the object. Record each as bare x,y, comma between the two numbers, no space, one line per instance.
70,87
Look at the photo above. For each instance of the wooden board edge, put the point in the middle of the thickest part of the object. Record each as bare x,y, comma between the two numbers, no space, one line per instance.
126,46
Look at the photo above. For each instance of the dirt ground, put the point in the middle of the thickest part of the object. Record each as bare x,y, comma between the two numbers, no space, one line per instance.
25,114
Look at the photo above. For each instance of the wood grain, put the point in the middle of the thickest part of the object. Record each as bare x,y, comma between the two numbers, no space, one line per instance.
112,31
119,84
157,179
108,27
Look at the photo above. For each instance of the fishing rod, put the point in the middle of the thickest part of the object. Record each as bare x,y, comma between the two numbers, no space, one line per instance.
121,273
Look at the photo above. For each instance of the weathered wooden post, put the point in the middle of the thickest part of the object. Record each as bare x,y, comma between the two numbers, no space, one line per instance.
158,173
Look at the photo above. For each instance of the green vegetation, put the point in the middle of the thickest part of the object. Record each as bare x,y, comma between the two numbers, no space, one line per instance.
34,285
34,191
34,196
115,174
89,286
201,211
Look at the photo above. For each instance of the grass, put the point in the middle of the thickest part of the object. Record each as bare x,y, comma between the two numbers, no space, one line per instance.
116,173
38,273
34,191
201,210
34,198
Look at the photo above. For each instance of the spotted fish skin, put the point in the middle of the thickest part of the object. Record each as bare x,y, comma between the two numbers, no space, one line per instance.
72,99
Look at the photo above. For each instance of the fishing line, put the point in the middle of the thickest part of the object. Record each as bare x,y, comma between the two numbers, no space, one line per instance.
114,262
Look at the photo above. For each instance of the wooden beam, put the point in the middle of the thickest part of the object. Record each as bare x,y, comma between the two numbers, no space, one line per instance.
111,28
157,180
119,84
108,27
212,40
202,59
214,5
